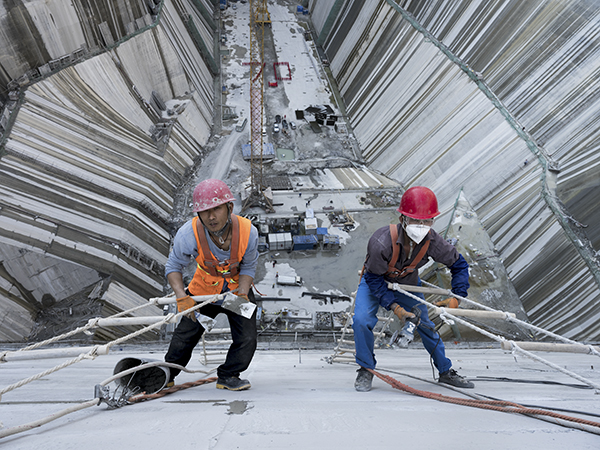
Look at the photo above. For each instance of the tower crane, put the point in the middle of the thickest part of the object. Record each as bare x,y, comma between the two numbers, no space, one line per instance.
259,18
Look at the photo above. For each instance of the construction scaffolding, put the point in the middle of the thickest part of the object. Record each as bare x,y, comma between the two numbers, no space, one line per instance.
345,351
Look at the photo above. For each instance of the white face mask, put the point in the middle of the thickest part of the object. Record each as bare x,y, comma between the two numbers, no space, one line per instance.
417,232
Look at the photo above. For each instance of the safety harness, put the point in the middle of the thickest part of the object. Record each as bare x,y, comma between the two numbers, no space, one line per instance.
393,272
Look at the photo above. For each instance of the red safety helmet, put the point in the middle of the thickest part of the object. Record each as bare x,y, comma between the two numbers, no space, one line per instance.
420,203
210,194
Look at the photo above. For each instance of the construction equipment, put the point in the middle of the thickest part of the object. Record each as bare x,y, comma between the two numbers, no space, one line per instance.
259,17
407,334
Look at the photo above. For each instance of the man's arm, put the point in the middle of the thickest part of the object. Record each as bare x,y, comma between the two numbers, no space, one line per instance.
379,252
460,276
244,285
248,263
379,288
175,279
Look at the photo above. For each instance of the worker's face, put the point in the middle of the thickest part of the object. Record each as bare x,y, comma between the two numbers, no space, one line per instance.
215,218
416,229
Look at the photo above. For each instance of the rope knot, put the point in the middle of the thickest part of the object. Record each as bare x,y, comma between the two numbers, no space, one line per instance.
169,318
93,353
92,323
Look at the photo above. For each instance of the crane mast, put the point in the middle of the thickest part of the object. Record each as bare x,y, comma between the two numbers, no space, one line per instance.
259,17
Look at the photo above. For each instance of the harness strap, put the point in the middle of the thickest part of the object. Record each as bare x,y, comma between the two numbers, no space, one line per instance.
392,270
395,249
211,265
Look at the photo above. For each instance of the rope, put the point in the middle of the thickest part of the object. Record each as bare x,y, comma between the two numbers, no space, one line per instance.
50,418
445,315
515,348
590,348
171,390
93,353
91,324
97,401
494,405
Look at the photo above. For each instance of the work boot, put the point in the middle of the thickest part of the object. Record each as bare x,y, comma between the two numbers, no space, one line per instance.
232,384
364,379
454,379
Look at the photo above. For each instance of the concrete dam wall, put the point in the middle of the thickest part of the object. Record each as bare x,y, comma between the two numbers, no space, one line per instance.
106,106
499,100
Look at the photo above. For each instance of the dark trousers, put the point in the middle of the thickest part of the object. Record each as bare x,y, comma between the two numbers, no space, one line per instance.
240,353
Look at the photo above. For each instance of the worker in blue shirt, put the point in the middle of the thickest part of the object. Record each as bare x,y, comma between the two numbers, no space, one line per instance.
394,254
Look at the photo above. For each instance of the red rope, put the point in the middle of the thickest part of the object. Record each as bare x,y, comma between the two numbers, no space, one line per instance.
495,405
143,396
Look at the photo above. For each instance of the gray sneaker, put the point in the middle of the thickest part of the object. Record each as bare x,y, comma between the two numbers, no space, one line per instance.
454,379
364,379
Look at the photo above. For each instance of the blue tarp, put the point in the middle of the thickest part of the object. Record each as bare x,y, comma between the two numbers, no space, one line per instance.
305,241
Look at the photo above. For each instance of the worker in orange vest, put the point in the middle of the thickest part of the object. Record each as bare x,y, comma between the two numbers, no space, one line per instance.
225,248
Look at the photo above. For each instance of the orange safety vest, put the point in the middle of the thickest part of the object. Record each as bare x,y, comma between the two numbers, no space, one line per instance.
210,273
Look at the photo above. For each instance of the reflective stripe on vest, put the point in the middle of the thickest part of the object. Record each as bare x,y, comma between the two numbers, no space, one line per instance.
393,272
210,273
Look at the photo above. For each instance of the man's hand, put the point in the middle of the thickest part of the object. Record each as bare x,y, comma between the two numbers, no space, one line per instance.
401,313
450,302
185,303
244,296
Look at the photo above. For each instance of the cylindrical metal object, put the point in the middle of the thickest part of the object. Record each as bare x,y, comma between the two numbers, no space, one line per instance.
149,379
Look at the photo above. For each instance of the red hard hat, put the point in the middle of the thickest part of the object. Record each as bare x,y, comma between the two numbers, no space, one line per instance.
209,194
419,202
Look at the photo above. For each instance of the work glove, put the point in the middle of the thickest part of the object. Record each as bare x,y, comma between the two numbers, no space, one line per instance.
450,302
244,296
185,303
401,313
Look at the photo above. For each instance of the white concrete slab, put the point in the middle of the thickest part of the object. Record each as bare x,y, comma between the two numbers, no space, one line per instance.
297,400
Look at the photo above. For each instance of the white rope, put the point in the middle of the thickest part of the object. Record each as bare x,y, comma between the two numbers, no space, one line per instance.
28,426
445,315
93,353
516,348
91,324
590,348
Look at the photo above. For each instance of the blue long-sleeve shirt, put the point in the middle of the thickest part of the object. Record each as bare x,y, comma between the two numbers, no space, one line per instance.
379,255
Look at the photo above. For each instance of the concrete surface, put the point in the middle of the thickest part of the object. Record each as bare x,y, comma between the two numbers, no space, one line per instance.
297,400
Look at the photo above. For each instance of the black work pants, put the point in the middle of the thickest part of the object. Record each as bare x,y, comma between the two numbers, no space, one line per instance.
240,353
